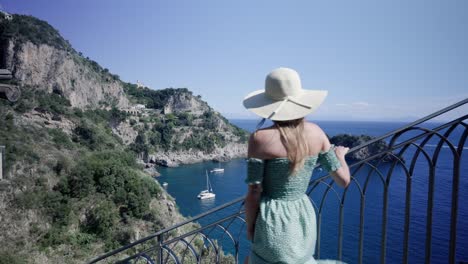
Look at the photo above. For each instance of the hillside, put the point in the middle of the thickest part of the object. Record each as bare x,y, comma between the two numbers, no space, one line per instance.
79,143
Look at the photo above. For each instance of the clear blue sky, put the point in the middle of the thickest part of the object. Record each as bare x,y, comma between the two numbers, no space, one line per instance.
380,60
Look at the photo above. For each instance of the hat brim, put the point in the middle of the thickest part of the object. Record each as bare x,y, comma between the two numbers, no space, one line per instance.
258,103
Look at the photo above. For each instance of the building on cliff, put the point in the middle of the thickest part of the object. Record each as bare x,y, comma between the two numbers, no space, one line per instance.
140,84
135,109
6,15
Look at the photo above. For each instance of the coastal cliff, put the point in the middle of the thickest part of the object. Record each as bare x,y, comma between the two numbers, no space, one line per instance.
40,59
352,141
73,184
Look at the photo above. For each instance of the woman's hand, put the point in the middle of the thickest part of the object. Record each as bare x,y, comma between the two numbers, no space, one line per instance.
341,151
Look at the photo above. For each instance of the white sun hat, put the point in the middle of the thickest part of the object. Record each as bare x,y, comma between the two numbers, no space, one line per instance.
283,97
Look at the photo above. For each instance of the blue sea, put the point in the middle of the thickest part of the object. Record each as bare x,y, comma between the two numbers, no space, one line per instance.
185,182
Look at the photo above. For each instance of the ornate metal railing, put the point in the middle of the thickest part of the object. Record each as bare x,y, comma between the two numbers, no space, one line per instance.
401,204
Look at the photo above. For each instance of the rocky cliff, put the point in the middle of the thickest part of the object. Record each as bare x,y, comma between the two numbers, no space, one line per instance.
40,58
352,141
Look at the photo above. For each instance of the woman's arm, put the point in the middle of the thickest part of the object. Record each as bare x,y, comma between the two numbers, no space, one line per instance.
254,191
252,201
342,177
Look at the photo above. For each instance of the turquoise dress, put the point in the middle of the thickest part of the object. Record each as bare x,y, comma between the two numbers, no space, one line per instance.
285,228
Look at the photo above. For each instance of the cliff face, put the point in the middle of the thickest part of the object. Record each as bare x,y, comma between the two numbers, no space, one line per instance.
52,70
185,102
40,58
352,141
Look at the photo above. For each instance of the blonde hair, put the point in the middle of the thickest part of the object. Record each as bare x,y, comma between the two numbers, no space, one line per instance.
295,141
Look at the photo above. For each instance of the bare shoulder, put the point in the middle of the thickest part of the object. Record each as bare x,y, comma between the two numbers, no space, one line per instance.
262,135
260,142
317,136
314,129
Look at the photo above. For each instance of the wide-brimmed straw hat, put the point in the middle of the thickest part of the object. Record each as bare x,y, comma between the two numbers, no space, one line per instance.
283,97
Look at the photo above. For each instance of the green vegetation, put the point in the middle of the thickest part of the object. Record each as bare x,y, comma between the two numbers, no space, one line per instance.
112,179
153,98
201,140
100,187
52,103
352,141
7,257
16,140
27,28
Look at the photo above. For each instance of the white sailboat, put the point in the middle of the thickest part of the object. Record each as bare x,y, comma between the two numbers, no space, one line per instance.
208,193
217,170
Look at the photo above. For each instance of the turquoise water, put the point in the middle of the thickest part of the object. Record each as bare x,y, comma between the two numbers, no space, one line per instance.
187,181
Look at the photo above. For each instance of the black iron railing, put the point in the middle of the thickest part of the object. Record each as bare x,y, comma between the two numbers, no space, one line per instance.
389,206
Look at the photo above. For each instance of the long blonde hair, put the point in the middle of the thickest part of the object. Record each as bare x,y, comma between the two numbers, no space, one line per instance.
295,141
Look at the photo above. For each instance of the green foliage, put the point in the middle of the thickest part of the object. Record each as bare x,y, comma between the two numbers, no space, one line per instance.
113,116
8,257
16,141
200,139
140,145
154,138
26,101
53,237
52,103
153,98
185,119
165,131
209,120
110,179
82,240
25,28
101,220
57,205
349,140
112,174
60,138
96,136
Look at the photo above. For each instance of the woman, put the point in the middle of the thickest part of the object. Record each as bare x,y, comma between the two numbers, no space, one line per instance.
279,215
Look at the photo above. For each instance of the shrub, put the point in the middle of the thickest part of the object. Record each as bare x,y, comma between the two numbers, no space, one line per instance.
52,103
7,257
60,138
95,136
102,219
140,146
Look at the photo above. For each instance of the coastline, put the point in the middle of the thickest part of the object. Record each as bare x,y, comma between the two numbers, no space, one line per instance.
177,158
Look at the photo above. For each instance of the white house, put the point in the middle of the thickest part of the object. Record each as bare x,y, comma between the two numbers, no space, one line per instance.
6,15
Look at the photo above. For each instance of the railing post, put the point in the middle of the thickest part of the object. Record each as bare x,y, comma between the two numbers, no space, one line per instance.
159,239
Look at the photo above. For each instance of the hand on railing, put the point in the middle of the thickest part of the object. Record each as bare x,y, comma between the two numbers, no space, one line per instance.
341,151
341,176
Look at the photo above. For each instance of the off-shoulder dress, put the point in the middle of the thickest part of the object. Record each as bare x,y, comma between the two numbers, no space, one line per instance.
285,228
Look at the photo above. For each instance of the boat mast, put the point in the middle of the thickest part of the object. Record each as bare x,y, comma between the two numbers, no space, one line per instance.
208,184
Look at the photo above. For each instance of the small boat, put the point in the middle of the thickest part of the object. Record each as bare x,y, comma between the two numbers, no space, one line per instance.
208,193
217,170
165,184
